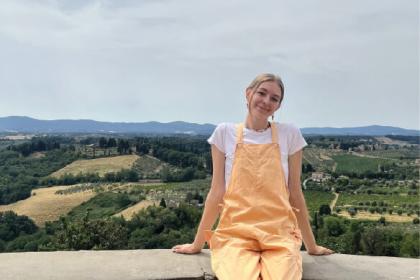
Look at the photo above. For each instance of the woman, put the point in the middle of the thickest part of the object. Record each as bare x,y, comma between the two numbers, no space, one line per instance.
256,187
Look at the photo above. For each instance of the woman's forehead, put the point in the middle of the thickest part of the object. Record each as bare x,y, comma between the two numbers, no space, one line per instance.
270,87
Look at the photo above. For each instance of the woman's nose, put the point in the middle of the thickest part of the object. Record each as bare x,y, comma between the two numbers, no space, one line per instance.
266,100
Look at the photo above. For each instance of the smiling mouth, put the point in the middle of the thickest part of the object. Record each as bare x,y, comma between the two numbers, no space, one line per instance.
262,109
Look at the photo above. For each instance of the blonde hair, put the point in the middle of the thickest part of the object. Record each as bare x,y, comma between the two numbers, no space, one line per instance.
267,77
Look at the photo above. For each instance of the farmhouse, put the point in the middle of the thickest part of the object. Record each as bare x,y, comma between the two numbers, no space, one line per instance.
320,176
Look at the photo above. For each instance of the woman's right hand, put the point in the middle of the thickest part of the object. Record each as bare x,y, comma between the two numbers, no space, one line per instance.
186,249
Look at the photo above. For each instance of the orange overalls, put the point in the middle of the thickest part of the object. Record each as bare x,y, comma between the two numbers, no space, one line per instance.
257,236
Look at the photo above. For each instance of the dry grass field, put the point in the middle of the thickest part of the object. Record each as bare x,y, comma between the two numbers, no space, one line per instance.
46,205
37,155
98,165
389,141
129,212
362,215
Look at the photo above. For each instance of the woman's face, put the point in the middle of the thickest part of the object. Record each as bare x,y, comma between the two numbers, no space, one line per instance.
265,101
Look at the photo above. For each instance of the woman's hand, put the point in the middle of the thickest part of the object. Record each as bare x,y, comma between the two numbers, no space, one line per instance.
186,249
319,250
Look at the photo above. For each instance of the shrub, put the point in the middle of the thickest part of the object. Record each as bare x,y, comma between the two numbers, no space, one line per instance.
324,209
334,226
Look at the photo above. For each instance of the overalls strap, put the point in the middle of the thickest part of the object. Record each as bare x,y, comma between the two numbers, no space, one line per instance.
274,134
239,133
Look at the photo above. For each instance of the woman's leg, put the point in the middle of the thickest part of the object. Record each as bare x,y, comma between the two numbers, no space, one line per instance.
235,261
281,265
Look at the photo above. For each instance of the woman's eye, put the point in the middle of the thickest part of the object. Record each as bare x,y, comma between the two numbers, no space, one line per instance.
261,93
274,100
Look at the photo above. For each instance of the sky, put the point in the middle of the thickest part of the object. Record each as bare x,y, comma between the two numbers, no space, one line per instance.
343,63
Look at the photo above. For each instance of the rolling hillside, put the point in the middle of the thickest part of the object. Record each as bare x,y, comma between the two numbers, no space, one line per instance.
99,165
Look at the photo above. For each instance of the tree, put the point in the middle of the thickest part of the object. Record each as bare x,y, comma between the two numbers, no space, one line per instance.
352,211
334,226
102,142
355,232
189,197
410,245
324,209
373,241
123,146
2,245
162,203
142,149
111,143
88,234
198,197
382,221
12,225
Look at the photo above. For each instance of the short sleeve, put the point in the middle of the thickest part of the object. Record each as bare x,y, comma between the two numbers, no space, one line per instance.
218,137
297,141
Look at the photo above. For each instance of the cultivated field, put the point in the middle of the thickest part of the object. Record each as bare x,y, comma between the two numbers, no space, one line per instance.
129,212
393,201
357,164
46,205
99,165
363,215
395,154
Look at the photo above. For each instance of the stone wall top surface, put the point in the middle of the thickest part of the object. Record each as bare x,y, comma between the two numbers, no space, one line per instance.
164,264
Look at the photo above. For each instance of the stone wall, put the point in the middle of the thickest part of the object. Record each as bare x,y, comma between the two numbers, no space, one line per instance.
164,264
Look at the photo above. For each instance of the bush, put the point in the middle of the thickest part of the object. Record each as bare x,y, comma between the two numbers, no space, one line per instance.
382,220
12,225
2,245
324,209
410,245
352,211
334,226
373,242
87,234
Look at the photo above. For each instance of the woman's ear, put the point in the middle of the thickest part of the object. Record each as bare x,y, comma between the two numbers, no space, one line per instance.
248,93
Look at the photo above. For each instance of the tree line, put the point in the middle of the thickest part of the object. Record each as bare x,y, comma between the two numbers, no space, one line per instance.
159,227
153,227
19,175
37,144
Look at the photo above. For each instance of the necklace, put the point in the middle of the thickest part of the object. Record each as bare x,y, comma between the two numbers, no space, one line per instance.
263,129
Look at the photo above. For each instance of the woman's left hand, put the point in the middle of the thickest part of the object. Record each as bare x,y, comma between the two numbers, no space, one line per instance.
319,250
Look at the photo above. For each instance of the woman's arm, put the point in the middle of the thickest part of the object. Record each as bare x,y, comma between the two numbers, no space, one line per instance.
211,207
297,200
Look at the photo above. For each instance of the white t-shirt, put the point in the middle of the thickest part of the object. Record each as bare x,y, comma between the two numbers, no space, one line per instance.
289,135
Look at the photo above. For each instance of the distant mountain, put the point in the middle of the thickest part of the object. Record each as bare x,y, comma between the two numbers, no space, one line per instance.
371,130
18,124
30,125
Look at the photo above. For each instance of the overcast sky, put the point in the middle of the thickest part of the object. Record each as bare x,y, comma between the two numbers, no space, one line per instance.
344,63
